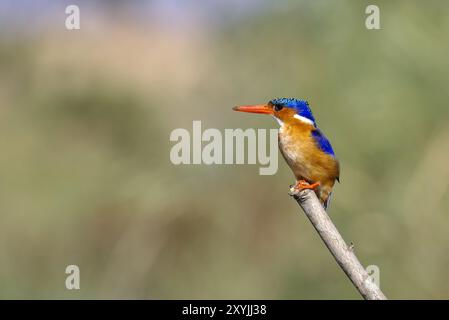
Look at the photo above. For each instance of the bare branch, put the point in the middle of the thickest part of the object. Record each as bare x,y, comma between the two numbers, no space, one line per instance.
343,254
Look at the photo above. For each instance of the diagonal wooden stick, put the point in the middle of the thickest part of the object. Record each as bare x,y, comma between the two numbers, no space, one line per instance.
343,254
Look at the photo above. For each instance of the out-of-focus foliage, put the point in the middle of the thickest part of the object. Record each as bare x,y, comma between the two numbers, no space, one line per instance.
85,118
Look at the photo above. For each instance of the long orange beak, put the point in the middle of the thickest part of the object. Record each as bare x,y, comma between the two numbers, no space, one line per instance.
259,108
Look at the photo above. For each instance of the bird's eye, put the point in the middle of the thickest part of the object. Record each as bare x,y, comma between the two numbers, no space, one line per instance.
278,107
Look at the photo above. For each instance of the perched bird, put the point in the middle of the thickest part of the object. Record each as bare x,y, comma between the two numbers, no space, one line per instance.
307,151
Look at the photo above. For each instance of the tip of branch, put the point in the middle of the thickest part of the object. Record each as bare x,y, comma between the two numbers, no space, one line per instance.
298,194
292,191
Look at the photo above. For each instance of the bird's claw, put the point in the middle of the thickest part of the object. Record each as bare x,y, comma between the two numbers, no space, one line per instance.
302,185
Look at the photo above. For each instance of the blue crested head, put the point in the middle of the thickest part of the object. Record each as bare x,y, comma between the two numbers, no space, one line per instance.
301,107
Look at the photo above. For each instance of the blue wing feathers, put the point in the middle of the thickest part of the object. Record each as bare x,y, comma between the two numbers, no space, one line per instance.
322,141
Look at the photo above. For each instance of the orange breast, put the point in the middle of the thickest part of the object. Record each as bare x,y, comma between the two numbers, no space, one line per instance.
304,157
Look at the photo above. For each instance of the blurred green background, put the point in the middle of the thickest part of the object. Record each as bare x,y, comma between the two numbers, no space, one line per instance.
85,174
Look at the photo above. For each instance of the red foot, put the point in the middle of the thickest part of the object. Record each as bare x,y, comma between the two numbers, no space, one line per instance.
302,185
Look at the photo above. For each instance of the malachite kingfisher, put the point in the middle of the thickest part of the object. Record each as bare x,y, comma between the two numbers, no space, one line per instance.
303,145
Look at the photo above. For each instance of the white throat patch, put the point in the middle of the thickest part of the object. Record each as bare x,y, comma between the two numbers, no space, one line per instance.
303,119
279,121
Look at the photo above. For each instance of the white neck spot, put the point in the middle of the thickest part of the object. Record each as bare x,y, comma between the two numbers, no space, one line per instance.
303,119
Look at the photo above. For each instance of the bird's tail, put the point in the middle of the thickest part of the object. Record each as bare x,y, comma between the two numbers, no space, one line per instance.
328,201
325,196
